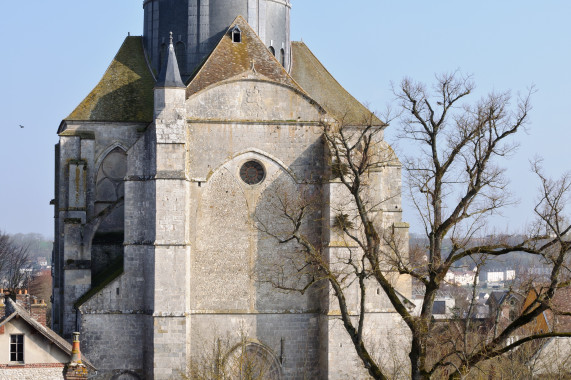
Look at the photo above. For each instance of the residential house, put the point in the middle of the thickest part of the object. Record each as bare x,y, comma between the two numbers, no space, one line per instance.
30,350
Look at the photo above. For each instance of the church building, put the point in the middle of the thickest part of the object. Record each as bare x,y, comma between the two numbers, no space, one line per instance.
163,174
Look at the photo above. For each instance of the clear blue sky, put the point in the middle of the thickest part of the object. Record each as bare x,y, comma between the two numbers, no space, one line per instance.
55,52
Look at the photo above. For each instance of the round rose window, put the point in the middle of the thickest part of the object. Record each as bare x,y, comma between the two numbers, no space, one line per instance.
252,172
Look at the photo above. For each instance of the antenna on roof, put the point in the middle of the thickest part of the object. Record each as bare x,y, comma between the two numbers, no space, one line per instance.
170,37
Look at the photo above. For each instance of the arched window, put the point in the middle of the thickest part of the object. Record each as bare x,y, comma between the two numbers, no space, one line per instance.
282,57
236,35
107,243
252,361
180,51
162,56
273,51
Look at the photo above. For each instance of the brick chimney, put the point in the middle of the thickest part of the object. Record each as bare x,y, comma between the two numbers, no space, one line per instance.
23,298
38,310
75,370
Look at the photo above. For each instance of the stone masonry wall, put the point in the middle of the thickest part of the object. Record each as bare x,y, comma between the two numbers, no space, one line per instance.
54,372
386,336
113,341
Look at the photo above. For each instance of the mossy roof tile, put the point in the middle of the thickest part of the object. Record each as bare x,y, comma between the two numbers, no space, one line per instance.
229,59
314,78
125,93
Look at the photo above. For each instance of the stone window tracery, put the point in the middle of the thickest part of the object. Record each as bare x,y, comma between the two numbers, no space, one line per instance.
251,360
252,172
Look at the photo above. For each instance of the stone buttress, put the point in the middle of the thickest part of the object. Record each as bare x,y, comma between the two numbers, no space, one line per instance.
169,345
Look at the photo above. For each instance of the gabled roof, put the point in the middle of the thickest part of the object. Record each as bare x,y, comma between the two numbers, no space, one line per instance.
48,333
497,296
314,78
557,316
230,59
125,93
500,296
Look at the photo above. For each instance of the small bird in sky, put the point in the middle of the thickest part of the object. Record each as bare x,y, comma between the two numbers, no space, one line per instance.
21,126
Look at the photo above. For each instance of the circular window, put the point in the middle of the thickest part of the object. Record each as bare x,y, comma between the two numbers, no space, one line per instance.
252,172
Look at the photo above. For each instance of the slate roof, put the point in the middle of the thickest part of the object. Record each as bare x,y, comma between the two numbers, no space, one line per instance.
229,59
497,296
125,93
48,333
314,78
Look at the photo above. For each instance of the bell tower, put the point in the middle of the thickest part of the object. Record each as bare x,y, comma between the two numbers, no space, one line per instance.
197,26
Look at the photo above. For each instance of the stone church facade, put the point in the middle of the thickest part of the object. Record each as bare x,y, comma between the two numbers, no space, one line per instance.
162,173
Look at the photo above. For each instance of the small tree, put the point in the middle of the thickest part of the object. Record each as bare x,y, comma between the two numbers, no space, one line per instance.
455,183
13,260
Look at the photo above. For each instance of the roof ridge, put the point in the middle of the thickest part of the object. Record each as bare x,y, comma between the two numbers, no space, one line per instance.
129,72
241,58
319,68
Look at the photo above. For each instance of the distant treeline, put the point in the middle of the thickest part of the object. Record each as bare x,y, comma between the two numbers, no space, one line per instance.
38,245
515,260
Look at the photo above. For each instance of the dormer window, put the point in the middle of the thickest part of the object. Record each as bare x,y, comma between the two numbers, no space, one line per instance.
236,35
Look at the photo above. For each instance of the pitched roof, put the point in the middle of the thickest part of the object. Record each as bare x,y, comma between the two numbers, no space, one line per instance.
125,93
560,304
48,333
314,78
230,59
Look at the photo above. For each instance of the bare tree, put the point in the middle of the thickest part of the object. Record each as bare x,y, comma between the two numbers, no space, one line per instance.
456,184
13,260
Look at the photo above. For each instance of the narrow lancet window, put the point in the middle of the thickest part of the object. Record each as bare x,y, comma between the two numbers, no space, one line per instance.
236,35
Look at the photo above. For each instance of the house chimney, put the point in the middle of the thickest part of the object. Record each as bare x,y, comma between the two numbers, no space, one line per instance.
38,311
2,306
75,351
23,299
75,370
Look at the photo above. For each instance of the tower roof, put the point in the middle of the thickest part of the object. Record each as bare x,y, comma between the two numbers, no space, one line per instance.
170,74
